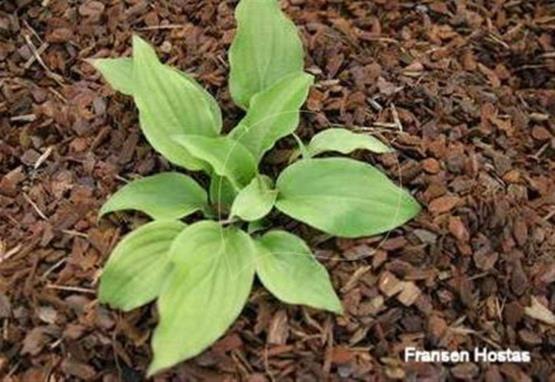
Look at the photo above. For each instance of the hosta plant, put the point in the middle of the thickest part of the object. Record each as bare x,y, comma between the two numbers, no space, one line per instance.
200,272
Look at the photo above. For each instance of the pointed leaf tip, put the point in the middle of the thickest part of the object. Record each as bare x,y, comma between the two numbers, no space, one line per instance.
171,103
138,266
207,289
343,197
287,268
266,47
164,196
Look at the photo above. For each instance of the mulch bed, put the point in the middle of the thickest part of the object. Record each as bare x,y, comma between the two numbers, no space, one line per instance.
464,90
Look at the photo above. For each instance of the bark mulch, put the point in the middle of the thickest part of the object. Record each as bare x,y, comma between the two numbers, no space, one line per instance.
464,90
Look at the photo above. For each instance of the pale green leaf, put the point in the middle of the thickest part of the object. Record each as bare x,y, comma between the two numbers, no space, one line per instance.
139,265
255,200
266,47
287,268
166,196
209,285
226,156
273,114
345,142
210,100
343,197
118,72
169,103
222,193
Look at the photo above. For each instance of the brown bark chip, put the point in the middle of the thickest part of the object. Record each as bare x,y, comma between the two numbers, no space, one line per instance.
278,332
409,294
389,284
458,229
443,204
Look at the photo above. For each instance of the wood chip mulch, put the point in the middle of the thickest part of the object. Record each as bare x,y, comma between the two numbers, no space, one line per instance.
464,90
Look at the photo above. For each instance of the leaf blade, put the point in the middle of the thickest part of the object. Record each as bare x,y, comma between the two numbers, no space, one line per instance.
254,201
287,268
222,193
118,72
212,278
344,142
164,196
138,266
266,47
343,197
169,103
227,157
273,114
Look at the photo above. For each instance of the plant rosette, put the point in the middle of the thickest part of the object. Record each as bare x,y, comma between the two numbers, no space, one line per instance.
201,272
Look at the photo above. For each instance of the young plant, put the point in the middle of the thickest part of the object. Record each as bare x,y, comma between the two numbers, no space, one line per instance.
201,273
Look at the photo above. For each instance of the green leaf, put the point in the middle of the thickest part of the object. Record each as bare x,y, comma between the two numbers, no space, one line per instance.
345,142
227,157
266,47
209,285
210,100
139,265
258,225
222,193
343,197
254,201
287,268
118,72
273,114
168,196
169,103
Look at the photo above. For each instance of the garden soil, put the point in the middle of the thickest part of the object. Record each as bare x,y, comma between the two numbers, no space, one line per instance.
463,90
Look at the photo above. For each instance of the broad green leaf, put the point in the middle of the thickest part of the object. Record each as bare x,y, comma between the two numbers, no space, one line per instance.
222,193
273,114
139,265
118,72
266,47
255,200
212,103
209,285
227,157
287,268
345,142
169,103
165,196
343,197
